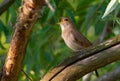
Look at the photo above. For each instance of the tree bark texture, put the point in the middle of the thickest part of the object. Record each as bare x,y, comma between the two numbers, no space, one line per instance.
28,14
86,61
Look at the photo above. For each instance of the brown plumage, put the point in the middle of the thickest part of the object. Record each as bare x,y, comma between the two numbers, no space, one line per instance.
72,38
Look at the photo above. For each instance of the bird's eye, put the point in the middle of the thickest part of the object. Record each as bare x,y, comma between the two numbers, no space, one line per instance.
66,19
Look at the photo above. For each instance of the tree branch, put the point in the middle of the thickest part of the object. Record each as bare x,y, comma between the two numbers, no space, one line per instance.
50,5
5,5
86,61
100,39
25,21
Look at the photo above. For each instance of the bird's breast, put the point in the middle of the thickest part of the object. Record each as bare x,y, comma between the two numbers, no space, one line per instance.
70,41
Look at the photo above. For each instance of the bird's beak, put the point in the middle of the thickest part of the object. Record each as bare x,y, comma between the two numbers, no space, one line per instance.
61,21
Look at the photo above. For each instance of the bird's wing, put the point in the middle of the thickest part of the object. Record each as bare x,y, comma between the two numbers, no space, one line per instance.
81,40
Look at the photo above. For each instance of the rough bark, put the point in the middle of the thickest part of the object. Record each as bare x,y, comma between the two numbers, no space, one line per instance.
86,61
27,16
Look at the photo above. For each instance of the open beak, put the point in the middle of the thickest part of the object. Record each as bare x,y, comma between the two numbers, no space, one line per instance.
59,22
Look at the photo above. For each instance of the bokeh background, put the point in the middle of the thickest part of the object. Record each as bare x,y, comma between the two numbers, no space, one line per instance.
45,48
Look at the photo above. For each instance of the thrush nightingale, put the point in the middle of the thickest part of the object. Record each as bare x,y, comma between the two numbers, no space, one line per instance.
72,38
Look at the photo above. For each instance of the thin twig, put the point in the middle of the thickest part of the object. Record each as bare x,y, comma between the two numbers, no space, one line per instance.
50,6
26,75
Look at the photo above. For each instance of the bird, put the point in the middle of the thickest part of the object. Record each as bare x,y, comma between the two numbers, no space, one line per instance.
72,37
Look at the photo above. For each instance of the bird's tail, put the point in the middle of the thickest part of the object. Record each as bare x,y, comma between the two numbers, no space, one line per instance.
96,72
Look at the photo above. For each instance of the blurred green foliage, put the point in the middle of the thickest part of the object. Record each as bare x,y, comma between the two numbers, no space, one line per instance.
46,49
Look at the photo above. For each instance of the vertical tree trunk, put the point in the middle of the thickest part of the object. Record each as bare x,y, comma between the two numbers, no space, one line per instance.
27,16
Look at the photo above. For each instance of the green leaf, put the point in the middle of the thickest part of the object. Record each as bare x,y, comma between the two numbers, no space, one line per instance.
111,6
3,28
1,45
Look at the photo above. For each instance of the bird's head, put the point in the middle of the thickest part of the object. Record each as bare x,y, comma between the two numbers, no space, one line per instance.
65,23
